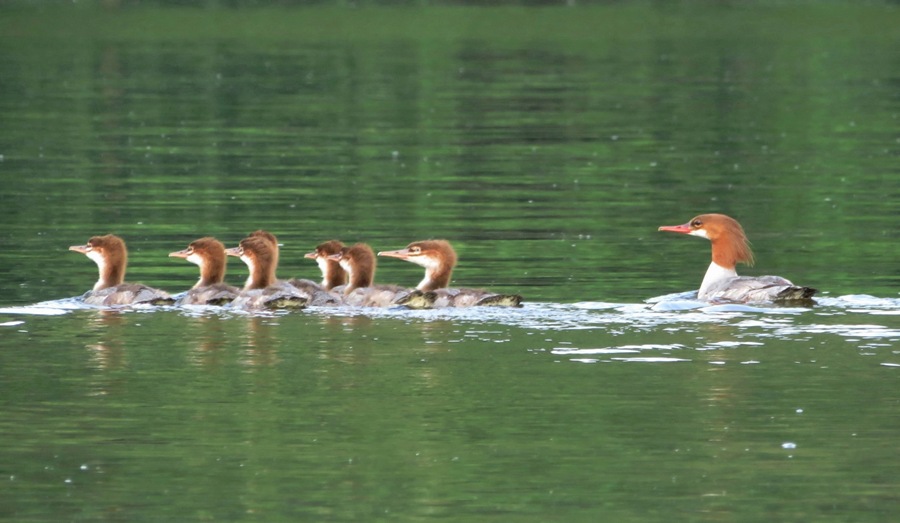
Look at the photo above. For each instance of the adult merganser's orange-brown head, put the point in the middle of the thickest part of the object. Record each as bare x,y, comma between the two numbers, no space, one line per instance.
261,258
209,254
729,243
332,272
359,262
730,247
437,256
111,257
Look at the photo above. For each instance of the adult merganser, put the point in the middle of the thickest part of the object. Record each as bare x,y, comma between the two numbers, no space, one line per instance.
209,254
730,247
439,258
263,289
359,262
111,257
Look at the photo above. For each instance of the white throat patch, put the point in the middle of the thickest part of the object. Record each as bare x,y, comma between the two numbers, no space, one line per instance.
101,266
196,259
322,262
424,261
251,266
699,232
345,264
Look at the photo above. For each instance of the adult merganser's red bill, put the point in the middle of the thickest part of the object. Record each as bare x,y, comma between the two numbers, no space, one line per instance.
439,258
263,289
730,247
111,257
209,254
359,262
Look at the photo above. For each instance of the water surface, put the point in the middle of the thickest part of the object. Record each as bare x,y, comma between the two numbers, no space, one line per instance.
548,145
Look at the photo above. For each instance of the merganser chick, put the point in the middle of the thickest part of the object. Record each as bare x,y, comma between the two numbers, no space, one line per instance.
439,258
263,289
318,295
333,275
272,239
359,262
111,256
730,247
209,254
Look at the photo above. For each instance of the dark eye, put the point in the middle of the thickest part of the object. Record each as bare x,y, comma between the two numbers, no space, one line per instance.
696,223
415,250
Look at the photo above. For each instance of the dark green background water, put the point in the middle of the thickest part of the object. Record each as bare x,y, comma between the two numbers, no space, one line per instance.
548,145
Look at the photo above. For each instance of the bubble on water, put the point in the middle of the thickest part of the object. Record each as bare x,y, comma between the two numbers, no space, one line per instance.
788,445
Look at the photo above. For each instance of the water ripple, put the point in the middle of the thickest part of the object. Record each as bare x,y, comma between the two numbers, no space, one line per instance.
853,317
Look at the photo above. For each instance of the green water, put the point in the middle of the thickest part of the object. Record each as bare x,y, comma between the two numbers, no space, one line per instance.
548,145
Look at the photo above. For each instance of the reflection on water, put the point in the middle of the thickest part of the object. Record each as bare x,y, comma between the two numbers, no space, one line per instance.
360,398
865,320
207,342
107,351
